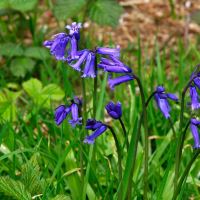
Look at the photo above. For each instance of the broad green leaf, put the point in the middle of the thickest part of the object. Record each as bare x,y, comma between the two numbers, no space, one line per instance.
14,189
42,96
64,9
20,5
106,12
10,50
37,53
53,91
8,105
33,87
20,66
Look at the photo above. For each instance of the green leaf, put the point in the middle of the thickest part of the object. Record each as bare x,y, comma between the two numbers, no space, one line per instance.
37,53
53,91
20,5
8,105
10,49
20,66
42,96
13,189
106,12
33,87
64,9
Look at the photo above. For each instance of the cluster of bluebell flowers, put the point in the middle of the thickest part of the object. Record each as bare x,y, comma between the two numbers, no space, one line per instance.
161,99
65,47
62,111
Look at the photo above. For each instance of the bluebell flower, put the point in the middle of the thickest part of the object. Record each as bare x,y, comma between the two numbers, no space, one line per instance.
82,57
117,81
194,98
73,52
61,113
113,65
92,124
58,45
114,110
109,51
98,128
161,99
197,81
75,115
89,69
74,29
194,123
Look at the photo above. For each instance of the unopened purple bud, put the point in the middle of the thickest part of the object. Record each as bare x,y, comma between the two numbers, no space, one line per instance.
160,89
74,29
114,110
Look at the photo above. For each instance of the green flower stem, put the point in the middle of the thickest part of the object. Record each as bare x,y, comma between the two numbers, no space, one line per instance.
83,128
119,157
179,146
146,143
143,118
172,127
125,133
185,174
137,137
95,91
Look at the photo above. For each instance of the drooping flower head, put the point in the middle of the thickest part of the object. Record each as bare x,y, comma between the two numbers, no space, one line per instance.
114,110
113,65
89,70
98,128
195,104
120,79
194,123
61,113
161,99
58,45
76,120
